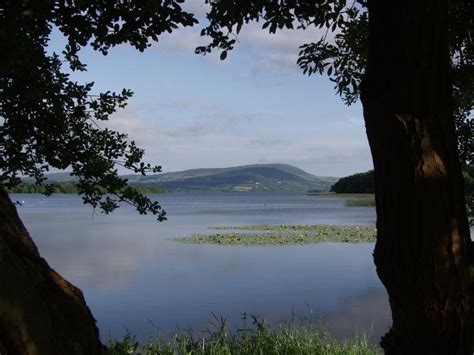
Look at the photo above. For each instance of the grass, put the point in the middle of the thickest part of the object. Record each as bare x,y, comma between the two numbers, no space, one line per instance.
259,339
285,234
360,202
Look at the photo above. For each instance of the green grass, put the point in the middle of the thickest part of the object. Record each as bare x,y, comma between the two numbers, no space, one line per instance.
256,340
285,234
360,202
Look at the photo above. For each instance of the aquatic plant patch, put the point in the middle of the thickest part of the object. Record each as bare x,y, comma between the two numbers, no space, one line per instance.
285,235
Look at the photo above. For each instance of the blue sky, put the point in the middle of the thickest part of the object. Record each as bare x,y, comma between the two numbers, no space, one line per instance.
191,111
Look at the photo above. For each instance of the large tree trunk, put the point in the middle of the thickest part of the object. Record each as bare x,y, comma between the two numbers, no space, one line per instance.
40,312
423,245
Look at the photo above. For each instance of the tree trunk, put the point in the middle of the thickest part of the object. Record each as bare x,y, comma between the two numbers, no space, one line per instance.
40,312
423,244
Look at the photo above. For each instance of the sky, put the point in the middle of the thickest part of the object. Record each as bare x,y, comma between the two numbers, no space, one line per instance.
192,111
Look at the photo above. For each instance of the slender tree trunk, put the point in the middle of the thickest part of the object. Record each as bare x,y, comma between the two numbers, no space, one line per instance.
40,312
423,246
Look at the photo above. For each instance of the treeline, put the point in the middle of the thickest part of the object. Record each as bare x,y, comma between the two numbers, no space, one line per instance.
364,182
67,187
56,188
356,183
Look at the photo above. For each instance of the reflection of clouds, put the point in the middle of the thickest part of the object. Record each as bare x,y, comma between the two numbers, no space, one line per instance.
369,313
110,251
97,256
105,265
130,271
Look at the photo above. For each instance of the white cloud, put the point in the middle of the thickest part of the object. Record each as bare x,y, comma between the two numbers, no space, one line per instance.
197,7
267,52
188,104
222,139
280,49
182,41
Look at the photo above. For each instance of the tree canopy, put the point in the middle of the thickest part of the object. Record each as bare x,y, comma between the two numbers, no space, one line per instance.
48,120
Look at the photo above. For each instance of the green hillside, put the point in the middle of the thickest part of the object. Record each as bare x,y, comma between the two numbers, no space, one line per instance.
260,177
255,178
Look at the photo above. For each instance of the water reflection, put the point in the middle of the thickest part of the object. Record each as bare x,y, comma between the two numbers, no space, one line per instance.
134,276
367,313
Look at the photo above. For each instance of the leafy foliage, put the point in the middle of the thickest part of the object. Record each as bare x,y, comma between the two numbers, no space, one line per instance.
343,61
469,189
462,71
49,121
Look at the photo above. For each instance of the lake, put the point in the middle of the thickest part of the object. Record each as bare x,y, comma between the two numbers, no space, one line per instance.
135,276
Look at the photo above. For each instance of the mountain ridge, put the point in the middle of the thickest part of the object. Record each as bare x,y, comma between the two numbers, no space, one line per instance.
244,178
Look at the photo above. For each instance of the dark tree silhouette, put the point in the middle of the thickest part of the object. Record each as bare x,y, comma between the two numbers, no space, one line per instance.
411,63
48,120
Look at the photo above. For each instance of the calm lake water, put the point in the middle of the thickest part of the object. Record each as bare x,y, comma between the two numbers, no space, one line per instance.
135,276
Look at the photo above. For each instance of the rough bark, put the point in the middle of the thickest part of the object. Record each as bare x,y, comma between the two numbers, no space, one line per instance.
423,245
40,312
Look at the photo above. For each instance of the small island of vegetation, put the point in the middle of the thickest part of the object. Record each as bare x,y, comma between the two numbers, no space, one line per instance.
285,235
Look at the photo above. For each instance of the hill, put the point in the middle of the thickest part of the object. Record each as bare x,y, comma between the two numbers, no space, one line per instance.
260,177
